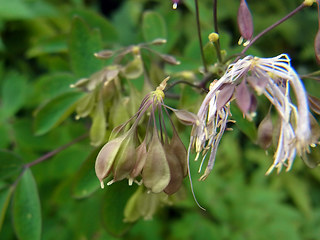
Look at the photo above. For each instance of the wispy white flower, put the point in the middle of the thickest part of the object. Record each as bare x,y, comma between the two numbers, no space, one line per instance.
271,77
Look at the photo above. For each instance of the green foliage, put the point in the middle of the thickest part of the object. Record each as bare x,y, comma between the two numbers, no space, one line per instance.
46,46
26,208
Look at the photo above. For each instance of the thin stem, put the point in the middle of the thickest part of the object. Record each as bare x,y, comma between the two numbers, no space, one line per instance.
199,36
182,82
46,157
216,29
54,152
300,7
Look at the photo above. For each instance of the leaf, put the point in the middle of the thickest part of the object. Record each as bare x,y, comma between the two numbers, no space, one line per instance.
54,112
96,21
52,85
114,202
10,164
26,209
83,43
85,181
5,195
298,190
14,9
56,44
13,94
153,27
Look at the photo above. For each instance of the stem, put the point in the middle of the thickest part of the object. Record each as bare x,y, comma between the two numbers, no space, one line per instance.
216,29
54,152
183,82
46,157
300,7
199,36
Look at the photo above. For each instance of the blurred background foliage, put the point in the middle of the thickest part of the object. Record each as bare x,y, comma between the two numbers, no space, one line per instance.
46,45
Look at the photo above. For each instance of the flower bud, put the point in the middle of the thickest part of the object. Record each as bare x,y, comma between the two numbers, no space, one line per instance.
245,23
213,37
105,54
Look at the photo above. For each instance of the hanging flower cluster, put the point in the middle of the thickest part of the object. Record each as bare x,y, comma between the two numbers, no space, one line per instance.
271,77
148,155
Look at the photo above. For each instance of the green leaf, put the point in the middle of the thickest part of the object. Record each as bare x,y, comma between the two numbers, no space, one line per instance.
298,190
14,9
114,202
13,94
96,21
52,85
10,164
247,127
54,112
26,209
153,27
83,43
85,181
5,195
56,44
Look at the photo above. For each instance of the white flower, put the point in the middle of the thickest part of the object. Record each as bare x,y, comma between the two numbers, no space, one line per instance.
271,77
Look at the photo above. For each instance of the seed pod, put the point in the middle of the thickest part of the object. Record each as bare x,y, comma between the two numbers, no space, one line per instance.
106,157
131,211
98,127
169,59
141,154
85,105
185,117
105,54
133,69
176,171
125,159
243,97
159,41
225,94
265,131
245,22
156,172
314,104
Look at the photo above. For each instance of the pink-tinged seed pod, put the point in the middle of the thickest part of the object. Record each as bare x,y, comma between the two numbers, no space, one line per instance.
245,22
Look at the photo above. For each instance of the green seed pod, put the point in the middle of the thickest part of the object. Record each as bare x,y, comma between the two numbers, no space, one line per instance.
133,69
106,158
98,127
125,159
156,172
85,105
